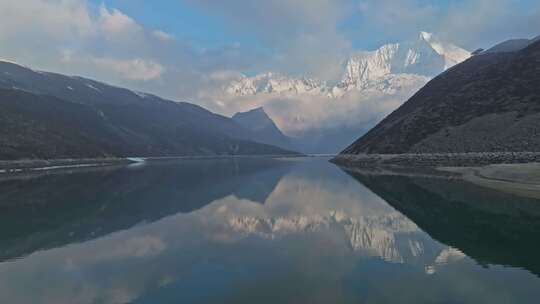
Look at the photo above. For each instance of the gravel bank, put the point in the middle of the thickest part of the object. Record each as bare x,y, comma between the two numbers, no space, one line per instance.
434,160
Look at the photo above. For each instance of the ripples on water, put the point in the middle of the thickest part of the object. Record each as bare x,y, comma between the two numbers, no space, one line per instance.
263,231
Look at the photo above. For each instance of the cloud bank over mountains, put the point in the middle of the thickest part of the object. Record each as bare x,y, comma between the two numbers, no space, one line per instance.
53,34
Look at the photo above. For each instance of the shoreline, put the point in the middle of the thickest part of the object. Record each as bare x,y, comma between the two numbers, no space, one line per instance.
39,165
514,173
434,160
11,167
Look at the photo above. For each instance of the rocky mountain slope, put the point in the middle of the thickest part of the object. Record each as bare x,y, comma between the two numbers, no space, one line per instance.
264,128
490,102
47,115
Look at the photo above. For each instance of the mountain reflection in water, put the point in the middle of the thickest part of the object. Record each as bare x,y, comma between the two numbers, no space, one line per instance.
59,209
264,231
491,227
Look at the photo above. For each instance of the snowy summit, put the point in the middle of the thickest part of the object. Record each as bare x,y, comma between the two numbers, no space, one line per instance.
385,69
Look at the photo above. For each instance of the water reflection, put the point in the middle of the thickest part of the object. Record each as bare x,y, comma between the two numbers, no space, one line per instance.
489,226
264,231
58,209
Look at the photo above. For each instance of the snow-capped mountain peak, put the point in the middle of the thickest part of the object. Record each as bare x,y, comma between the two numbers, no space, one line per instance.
452,54
426,36
421,59
366,66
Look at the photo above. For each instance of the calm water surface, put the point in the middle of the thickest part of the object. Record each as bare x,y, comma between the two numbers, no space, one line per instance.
263,231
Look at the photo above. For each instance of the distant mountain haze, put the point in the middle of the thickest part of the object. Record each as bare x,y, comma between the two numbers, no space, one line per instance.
489,103
47,115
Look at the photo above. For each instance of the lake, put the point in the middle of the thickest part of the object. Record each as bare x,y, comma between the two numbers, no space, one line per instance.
260,230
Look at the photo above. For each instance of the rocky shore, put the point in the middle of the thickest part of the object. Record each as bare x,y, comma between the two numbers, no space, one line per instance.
514,173
433,160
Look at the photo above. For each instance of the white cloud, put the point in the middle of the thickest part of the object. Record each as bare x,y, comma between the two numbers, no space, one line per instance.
163,36
46,34
134,69
57,18
390,17
225,75
299,114
482,23
472,24
131,69
303,34
30,30
113,22
74,37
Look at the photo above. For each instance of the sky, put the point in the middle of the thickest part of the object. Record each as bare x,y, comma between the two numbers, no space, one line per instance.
180,48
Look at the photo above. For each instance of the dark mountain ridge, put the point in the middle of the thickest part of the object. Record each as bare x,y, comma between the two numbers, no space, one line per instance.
265,129
48,115
511,45
489,103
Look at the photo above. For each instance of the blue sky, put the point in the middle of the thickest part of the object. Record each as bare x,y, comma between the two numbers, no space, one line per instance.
313,36
186,20
182,20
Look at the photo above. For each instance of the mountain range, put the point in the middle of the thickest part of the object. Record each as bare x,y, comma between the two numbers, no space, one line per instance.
382,70
326,116
46,115
489,103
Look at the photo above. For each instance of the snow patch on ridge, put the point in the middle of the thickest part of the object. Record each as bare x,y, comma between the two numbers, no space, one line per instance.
93,87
